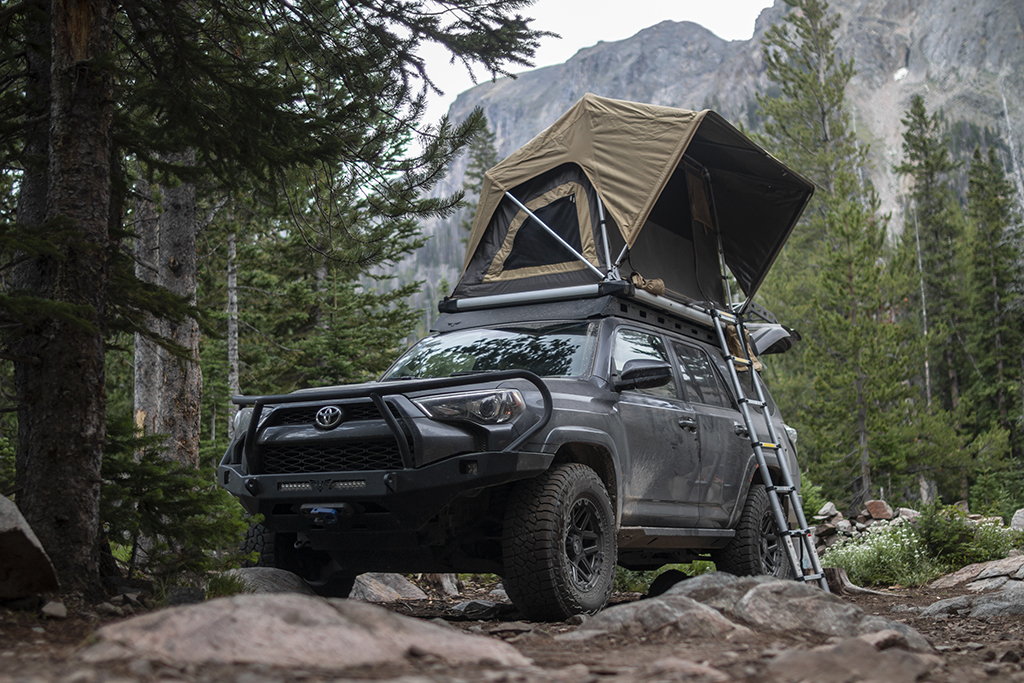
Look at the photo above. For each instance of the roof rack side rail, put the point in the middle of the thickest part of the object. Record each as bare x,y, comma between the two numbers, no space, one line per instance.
534,296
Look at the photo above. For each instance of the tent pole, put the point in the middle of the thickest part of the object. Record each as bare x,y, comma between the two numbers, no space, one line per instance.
622,257
721,249
558,237
613,272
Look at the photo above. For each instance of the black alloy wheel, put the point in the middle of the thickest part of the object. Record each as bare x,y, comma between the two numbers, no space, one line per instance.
559,544
757,548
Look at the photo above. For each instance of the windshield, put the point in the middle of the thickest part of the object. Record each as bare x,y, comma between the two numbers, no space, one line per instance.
548,349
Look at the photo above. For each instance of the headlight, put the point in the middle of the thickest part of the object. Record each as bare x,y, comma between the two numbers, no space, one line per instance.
242,418
491,407
792,434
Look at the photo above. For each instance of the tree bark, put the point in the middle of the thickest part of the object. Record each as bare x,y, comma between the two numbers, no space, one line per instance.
30,275
233,383
168,389
62,408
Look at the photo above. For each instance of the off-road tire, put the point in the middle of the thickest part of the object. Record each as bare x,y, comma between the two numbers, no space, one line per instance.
261,540
278,550
559,545
756,548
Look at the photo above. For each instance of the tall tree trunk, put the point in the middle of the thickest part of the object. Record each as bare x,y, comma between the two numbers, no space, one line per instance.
62,410
233,384
31,275
148,381
168,389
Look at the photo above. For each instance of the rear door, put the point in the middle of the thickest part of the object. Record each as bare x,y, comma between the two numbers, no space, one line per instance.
661,432
725,450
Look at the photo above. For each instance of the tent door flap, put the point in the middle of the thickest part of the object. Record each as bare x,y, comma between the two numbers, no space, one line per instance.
558,237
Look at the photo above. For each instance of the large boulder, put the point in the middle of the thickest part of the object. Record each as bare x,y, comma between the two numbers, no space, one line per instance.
668,616
1008,602
1017,521
270,580
25,568
381,587
720,605
289,630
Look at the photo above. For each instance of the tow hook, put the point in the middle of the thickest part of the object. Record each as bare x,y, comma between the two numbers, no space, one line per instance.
325,516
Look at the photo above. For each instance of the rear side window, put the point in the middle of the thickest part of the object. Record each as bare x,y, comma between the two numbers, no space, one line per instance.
630,344
701,382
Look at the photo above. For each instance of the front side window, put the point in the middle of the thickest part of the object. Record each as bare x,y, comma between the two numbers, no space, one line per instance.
547,349
634,344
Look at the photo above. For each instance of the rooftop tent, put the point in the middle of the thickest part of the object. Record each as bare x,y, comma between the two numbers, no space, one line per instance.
668,181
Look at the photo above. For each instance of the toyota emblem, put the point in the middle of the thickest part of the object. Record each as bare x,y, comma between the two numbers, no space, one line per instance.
328,417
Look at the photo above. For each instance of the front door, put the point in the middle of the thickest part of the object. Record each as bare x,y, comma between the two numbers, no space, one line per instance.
661,433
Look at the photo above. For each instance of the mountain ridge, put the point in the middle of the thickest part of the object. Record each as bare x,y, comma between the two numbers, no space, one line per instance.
967,61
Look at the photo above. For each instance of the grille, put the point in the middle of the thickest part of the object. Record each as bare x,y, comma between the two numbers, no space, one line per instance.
305,415
349,457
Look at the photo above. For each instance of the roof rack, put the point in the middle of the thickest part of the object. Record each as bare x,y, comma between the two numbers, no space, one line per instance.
692,312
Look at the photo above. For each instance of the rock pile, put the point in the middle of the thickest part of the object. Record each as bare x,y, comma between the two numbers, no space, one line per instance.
832,526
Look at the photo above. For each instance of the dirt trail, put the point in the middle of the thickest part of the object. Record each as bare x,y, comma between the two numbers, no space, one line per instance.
33,650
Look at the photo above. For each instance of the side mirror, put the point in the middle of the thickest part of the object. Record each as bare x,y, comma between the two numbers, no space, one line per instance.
643,373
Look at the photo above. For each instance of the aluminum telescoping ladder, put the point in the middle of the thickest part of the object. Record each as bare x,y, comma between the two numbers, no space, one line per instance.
722,321
788,489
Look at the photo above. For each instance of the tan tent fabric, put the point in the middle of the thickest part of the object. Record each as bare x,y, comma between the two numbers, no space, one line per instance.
627,150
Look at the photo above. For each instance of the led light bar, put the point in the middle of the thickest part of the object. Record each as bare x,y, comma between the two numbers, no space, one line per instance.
348,484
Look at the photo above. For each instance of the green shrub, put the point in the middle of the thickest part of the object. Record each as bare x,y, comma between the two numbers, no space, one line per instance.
955,541
172,521
886,555
222,585
812,497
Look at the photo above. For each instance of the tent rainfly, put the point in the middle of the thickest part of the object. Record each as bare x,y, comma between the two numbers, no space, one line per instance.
642,188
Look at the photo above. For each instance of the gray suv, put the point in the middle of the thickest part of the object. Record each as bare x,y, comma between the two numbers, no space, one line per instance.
545,443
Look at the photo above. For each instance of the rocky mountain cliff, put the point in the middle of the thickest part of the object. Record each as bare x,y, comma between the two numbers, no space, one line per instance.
966,59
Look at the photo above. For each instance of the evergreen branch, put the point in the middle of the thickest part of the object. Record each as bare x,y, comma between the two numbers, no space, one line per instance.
17,8
18,358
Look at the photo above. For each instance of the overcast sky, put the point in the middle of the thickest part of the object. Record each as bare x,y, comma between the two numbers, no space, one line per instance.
582,23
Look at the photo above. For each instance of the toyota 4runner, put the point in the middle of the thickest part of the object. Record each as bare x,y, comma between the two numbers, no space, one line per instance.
545,443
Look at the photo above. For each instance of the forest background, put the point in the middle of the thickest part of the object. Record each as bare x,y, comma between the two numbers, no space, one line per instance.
238,180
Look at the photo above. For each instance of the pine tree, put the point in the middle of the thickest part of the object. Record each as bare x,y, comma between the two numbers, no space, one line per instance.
936,228
996,310
482,156
839,276
805,127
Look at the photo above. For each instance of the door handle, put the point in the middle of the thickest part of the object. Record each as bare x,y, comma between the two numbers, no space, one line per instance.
741,430
688,424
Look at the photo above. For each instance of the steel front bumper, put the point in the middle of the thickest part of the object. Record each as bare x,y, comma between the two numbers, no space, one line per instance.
393,500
